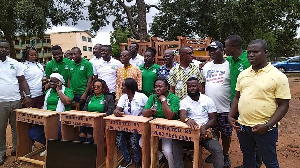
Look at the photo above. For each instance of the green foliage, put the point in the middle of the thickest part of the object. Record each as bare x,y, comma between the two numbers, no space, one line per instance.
33,17
118,36
272,20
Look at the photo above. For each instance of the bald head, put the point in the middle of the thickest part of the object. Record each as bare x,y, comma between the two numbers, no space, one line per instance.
168,57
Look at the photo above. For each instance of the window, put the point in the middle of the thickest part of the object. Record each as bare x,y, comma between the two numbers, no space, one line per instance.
32,42
39,50
17,42
18,51
90,49
38,40
84,48
89,39
48,40
83,38
27,42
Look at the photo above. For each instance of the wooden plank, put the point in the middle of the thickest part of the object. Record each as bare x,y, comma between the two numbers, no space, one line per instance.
98,133
154,152
146,146
23,141
37,162
140,119
111,157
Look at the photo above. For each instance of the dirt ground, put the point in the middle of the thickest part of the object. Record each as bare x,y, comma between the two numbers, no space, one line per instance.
288,147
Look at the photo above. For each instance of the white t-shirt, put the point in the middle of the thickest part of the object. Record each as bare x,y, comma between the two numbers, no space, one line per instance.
217,84
95,59
108,72
10,69
198,110
137,104
34,73
137,61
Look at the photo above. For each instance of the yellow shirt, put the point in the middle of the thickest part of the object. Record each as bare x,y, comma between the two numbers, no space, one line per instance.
259,91
124,73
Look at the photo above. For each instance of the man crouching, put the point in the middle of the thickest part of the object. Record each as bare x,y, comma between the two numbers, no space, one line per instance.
198,108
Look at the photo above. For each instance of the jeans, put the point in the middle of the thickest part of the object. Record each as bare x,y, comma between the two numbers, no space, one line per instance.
213,146
7,114
37,133
266,144
134,142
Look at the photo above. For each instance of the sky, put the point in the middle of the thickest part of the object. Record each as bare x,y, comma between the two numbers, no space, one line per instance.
103,35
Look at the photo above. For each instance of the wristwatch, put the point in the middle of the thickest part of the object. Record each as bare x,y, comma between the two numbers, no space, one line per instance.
29,95
163,99
186,119
269,127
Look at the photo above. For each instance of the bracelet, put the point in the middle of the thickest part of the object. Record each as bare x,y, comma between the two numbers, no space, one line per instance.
29,95
269,127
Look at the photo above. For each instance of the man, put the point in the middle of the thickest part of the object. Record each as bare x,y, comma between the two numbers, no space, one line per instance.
107,69
127,71
182,72
217,86
262,100
198,111
11,81
68,54
97,54
81,74
237,59
164,70
136,59
59,64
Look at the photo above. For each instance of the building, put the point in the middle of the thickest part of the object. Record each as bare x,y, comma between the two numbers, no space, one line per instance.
43,46
68,40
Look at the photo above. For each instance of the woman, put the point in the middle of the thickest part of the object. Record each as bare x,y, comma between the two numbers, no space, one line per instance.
34,73
100,101
149,71
163,104
58,98
130,103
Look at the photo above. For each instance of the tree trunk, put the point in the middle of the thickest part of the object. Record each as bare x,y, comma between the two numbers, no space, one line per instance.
8,37
142,23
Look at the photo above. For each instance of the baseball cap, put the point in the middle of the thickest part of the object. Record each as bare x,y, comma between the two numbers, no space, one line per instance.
215,44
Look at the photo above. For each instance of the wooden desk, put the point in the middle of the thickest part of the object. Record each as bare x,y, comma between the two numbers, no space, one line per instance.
127,123
173,129
25,118
71,120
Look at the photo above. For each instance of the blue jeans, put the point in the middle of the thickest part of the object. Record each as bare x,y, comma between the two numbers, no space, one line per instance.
266,144
37,133
134,142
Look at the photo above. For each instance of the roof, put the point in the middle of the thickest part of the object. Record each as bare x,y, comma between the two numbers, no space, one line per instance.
77,31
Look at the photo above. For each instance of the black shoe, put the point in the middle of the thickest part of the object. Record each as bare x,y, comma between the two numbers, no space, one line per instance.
227,163
138,165
2,160
13,153
208,159
125,164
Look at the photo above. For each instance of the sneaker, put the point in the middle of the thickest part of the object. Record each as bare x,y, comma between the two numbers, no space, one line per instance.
2,160
227,163
138,165
208,159
43,153
125,164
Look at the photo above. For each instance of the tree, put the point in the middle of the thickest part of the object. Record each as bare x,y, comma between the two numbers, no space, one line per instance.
125,14
274,21
33,17
119,36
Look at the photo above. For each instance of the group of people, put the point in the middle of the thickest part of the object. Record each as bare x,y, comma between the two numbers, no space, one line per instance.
242,91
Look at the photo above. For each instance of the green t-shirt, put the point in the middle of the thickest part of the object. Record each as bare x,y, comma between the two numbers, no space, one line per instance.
96,104
236,67
172,100
53,99
79,74
148,77
59,67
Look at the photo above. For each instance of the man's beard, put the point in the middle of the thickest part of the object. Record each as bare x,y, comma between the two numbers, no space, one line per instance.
194,94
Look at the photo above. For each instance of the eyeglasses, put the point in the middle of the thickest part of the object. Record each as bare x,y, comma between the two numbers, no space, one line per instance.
96,87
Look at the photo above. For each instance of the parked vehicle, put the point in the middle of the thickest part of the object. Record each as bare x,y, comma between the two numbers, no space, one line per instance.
290,65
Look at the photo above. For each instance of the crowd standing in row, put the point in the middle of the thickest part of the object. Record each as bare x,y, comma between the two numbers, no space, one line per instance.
242,91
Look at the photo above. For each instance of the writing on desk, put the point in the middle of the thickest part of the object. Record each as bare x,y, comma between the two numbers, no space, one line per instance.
79,118
28,120
185,134
125,129
124,123
76,123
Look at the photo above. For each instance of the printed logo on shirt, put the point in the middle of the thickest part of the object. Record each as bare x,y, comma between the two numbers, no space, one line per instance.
71,69
101,102
241,67
12,66
66,67
188,110
204,109
154,70
137,104
82,68
113,67
55,69
168,102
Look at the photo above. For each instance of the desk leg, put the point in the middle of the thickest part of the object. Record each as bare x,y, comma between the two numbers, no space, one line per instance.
154,152
98,132
196,154
111,158
146,146
24,143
